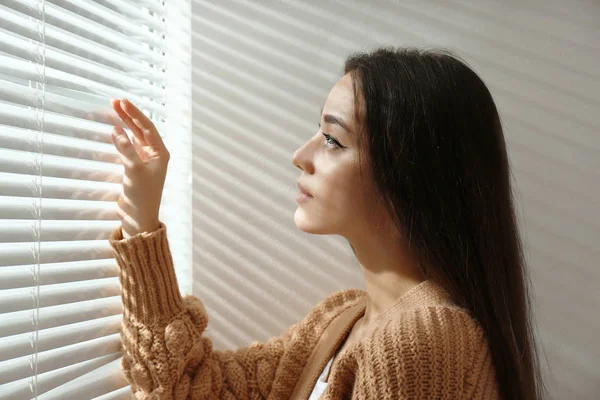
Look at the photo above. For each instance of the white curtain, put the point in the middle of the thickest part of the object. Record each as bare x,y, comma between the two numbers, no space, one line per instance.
60,63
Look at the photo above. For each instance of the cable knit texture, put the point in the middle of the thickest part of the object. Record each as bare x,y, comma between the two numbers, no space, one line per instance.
430,349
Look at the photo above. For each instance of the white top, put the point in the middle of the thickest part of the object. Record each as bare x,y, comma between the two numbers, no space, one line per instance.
321,384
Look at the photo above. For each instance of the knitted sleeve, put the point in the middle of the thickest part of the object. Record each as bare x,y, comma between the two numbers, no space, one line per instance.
165,355
435,352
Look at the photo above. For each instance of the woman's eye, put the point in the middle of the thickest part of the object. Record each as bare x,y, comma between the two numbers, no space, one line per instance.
331,141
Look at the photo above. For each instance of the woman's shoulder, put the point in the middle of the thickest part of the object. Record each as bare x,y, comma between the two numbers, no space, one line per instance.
439,348
336,302
326,310
434,325
430,308
438,320
343,298
424,315
441,334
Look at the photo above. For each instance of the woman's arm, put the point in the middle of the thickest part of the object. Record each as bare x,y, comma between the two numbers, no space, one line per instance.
164,350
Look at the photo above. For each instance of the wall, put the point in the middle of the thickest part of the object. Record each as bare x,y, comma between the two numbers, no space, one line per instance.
262,71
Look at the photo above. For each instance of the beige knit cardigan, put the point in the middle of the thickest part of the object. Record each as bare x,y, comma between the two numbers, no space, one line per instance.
422,347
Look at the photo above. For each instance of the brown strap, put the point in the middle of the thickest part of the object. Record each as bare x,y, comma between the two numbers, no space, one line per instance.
332,338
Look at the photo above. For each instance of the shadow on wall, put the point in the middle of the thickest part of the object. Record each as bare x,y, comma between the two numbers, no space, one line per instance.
262,71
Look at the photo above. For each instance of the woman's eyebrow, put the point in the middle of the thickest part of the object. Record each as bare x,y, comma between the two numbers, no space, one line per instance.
332,119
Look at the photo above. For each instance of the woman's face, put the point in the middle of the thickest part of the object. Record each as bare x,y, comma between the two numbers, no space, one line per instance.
331,170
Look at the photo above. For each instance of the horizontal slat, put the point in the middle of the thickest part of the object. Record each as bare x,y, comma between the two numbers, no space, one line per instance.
31,140
58,188
151,17
50,360
153,6
67,103
12,300
27,27
132,26
51,252
95,383
23,69
53,338
81,26
50,274
76,66
120,394
16,230
24,162
56,209
31,118
92,52
22,321
95,125
21,389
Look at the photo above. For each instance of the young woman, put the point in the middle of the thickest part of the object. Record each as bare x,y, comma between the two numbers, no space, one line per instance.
410,166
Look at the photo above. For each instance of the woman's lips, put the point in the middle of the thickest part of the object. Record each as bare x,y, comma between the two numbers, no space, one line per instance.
304,191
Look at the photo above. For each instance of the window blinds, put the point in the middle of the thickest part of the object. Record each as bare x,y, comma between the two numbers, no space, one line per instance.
60,63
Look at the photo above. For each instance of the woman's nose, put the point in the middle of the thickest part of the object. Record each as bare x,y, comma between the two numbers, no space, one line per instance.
295,159
300,157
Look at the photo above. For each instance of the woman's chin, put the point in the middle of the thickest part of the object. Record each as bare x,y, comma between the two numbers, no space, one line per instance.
303,221
309,225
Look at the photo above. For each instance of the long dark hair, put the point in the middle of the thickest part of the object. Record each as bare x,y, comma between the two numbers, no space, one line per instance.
435,147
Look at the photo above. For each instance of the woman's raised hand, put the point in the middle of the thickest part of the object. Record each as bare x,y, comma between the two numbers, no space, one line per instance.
145,159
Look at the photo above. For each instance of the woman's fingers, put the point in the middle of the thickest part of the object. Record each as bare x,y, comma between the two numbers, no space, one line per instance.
151,135
125,147
116,105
